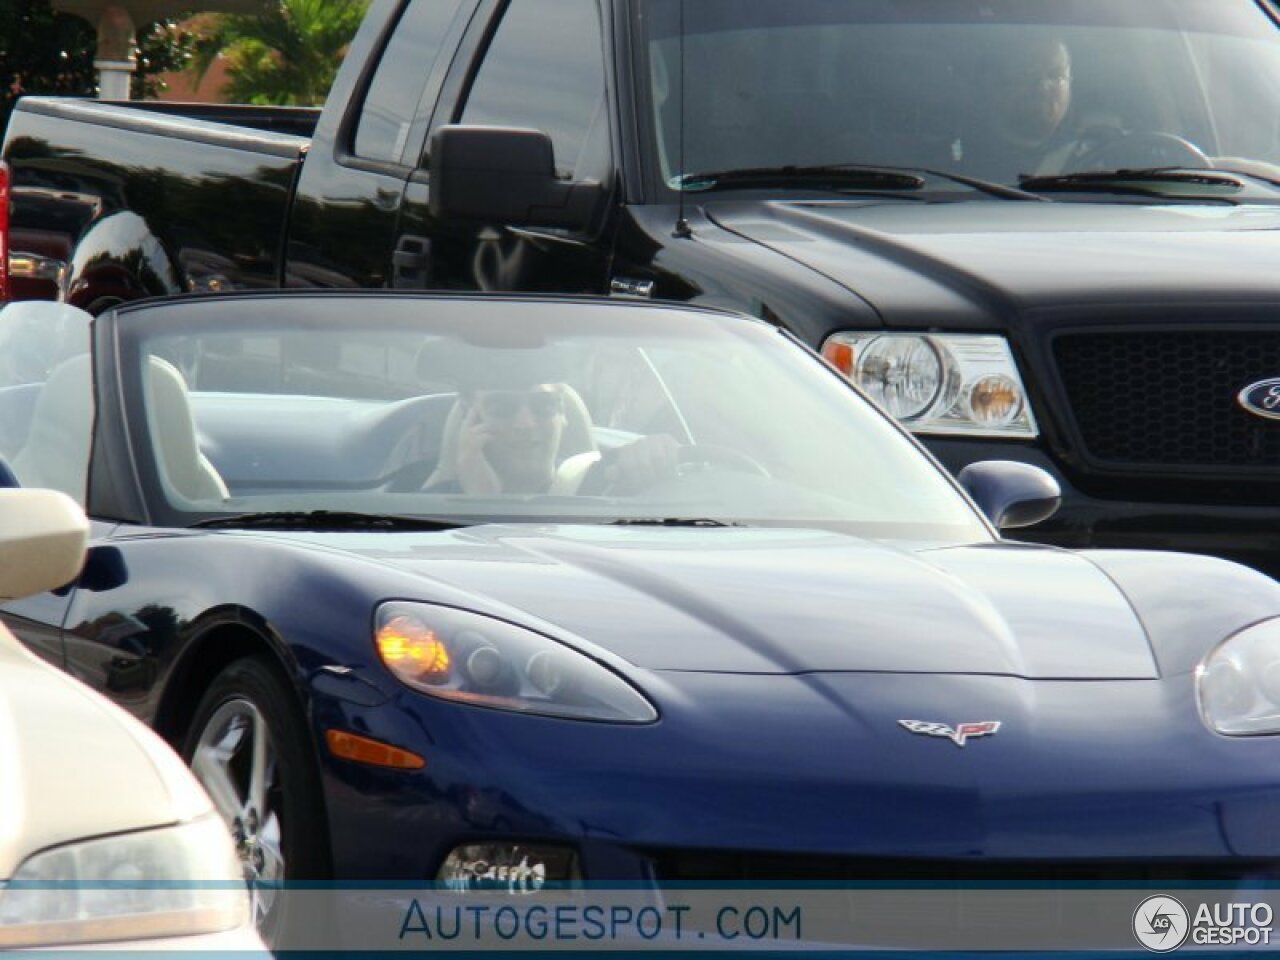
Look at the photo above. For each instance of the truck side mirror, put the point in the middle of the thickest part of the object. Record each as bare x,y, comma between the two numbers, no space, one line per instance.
1010,493
505,176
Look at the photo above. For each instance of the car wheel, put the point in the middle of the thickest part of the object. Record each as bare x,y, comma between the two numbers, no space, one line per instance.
249,749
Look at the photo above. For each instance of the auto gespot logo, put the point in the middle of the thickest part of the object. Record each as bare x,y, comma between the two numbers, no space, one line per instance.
1161,923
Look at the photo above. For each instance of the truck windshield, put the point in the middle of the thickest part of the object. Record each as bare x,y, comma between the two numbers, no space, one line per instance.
991,89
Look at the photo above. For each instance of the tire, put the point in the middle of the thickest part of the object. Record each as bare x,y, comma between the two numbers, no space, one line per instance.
277,820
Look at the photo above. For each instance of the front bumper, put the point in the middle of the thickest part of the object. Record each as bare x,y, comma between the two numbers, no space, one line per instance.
805,796
756,778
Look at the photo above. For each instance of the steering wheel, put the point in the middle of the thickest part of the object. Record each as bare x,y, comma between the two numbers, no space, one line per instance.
1151,148
692,457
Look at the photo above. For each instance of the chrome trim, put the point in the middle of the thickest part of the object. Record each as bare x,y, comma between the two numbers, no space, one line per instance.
628,289
32,266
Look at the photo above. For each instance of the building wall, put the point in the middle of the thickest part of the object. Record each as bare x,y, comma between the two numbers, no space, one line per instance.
182,86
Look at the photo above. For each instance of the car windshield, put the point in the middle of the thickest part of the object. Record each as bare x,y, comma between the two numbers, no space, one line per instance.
338,410
989,89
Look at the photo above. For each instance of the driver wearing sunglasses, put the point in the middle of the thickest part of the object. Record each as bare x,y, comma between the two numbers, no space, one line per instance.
509,442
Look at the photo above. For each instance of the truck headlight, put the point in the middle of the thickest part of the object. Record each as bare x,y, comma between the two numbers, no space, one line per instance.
173,882
457,655
1238,684
953,383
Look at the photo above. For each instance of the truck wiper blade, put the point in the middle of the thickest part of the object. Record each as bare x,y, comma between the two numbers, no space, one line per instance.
849,176
1144,181
328,520
673,522
1002,190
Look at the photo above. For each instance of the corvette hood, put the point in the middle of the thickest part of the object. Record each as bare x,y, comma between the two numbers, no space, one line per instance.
943,259
784,601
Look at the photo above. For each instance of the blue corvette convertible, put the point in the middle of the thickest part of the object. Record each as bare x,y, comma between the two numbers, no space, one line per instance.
463,590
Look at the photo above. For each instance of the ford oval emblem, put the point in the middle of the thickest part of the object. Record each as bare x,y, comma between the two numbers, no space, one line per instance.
1262,399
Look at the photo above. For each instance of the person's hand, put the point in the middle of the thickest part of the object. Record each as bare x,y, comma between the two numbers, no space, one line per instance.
641,464
475,474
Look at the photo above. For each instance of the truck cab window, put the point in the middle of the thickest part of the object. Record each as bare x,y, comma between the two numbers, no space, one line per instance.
392,101
545,70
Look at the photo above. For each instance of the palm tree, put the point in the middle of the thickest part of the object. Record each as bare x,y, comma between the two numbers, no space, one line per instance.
287,55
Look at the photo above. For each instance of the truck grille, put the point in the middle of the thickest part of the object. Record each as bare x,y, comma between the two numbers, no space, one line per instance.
1167,398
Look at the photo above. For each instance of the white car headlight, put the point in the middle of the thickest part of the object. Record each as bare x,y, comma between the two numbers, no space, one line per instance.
172,882
462,656
941,383
1239,683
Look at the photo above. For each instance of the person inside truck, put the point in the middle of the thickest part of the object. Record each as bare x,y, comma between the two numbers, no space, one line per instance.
1023,127
537,439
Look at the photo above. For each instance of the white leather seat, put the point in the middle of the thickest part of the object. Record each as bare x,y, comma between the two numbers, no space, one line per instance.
56,452
183,468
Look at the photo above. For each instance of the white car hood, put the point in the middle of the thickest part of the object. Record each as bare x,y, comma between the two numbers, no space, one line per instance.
73,766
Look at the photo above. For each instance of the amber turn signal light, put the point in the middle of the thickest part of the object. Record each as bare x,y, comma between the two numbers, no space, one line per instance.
839,355
375,753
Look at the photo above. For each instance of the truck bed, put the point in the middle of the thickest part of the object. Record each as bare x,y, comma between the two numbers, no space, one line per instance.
199,193
278,131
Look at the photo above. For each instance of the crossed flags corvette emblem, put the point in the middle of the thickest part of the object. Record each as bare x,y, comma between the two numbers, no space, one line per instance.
957,734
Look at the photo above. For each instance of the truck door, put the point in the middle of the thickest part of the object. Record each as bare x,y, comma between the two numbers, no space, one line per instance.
540,64
347,204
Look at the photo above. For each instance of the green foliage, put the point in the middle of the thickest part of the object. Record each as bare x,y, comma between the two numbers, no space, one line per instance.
163,47
43,52
288,55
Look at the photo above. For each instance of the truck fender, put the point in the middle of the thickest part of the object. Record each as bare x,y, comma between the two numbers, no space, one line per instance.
119,258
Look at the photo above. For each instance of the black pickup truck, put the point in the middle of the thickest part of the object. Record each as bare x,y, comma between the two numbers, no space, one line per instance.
1044,230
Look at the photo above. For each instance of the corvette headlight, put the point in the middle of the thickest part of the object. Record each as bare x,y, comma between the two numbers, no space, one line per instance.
959,383
462,656
1239,683
173,882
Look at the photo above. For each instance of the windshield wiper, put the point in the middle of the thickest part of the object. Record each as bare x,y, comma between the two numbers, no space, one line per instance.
1268,176
328,520
1146,181
840,175
1002,190
848,176
673,522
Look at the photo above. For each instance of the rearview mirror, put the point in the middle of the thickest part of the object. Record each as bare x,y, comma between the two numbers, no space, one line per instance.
42,540
1011,493
506,176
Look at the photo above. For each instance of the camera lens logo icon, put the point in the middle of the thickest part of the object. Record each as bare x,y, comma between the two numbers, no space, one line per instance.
1161,923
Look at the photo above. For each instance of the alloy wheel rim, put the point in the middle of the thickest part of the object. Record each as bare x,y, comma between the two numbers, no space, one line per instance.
235,761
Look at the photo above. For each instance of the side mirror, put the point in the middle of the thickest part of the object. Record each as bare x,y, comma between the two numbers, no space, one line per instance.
42,540
506,176
1010,493
104,569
